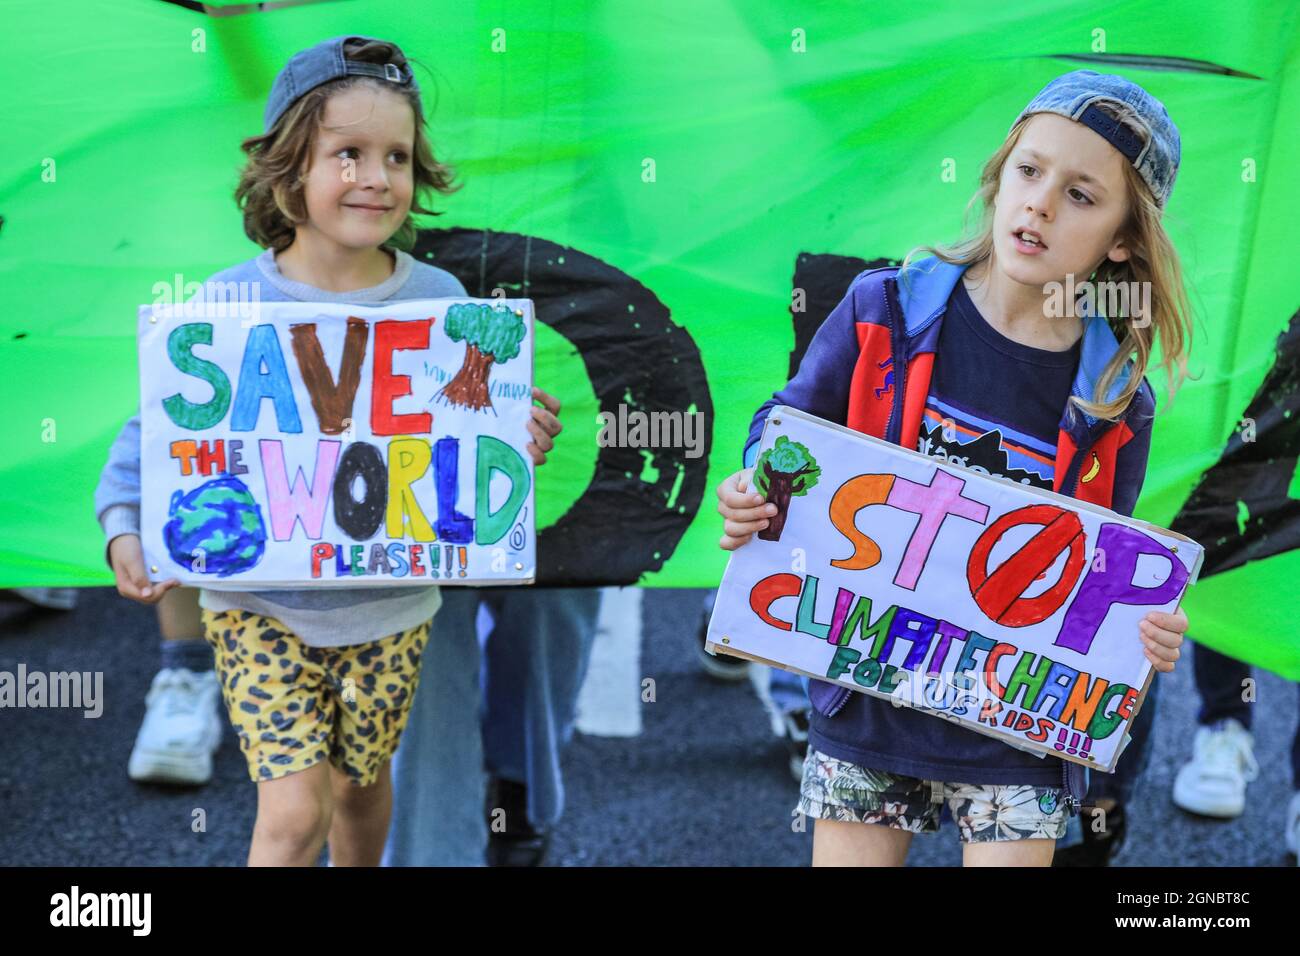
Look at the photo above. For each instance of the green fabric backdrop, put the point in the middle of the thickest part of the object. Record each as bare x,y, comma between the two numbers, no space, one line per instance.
121,151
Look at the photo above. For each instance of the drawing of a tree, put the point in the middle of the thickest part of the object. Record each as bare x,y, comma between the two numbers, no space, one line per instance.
783,471
491,334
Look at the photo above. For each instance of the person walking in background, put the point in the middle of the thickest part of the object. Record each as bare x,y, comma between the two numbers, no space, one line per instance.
1213,783
784,694
478,778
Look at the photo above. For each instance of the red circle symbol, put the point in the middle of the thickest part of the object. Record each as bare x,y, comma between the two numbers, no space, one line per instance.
1000,594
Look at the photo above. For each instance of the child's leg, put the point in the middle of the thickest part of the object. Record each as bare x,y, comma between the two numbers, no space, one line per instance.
840,843
293,818
361,816
1007,824
864,816
374,685
179,615
278,693
182,724
1017,853
300,711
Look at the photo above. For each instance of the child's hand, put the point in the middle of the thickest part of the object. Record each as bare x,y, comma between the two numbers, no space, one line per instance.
1163,636
127,557
743,509
544,426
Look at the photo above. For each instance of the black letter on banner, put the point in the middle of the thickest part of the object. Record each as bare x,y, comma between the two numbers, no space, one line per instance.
631,347
1255,474
359,520
824,279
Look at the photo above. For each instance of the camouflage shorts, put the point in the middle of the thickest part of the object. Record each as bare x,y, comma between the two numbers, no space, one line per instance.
837,790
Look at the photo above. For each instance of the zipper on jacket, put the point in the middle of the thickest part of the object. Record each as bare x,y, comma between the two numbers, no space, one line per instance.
896,334
1072,802
838,701
1070,484
893,427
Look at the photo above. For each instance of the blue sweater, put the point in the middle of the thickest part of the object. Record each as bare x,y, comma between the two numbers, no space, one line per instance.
324,617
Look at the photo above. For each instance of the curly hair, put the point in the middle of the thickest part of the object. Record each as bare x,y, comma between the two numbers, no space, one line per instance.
271,184
1152,259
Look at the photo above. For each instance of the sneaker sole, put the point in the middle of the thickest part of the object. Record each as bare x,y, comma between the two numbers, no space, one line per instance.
167,766
796,768
1219,809
147,766
727,672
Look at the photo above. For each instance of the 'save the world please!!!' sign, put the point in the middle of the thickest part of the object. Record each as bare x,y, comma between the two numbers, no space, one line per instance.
336,445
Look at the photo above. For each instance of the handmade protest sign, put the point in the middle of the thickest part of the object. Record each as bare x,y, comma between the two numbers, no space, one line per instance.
1009,609
305,444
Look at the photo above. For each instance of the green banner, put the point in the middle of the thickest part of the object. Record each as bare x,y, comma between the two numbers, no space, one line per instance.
659,178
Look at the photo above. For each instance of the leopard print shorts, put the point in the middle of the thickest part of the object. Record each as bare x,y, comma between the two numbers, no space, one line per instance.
293,705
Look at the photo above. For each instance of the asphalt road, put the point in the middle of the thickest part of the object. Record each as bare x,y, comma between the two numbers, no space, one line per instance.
705,782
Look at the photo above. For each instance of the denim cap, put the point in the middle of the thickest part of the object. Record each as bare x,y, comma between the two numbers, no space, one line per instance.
319,64
1155,154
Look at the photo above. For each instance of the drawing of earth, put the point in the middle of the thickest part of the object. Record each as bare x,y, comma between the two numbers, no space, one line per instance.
216,529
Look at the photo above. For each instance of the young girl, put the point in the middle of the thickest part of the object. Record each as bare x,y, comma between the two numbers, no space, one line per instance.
318,683
963,355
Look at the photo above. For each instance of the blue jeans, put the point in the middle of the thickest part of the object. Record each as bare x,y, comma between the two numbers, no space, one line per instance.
536,660
789,691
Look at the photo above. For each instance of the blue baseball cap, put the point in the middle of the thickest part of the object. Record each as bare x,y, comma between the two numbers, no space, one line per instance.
321,63
1155,153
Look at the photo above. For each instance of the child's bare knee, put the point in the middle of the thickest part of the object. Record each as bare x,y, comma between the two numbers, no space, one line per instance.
292,834
296,825
353,801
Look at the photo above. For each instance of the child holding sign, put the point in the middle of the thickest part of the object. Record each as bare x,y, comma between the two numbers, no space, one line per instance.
973,355
319,682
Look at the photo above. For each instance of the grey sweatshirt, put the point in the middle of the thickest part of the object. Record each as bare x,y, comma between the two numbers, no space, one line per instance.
326,617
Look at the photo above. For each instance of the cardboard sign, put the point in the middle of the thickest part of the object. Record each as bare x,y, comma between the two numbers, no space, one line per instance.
327,445
1011,610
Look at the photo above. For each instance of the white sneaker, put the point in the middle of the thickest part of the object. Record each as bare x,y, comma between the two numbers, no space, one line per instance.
181,729
1293,826
1213,782
796,740
59,599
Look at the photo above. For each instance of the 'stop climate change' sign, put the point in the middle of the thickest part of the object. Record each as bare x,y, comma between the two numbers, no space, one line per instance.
1011,610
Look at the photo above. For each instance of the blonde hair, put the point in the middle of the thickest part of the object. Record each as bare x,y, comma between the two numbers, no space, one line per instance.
1152,259
271,191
